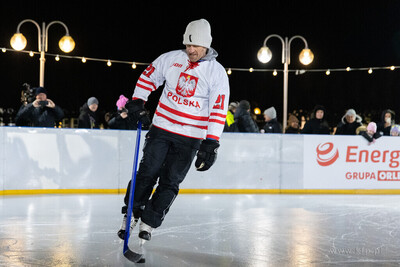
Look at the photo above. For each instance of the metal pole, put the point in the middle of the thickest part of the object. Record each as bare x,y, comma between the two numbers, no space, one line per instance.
285,94
42,55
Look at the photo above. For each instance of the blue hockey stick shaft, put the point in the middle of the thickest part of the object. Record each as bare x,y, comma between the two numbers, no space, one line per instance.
132,191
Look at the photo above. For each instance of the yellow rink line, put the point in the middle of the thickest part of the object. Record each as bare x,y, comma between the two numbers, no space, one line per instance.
209,191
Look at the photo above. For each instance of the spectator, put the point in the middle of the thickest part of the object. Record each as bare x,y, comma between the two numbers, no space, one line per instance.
243,118
88,114
317,123
387,120
293,125
272,125
122,120
395,130
370,134
42,112
230,124
349,124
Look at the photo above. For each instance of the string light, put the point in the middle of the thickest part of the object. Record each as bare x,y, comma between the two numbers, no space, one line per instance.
133,65
348,69
229,71
57,58
83,60
275,73
109,63
251,69
31,54
392,68
370,71
328,72
4,49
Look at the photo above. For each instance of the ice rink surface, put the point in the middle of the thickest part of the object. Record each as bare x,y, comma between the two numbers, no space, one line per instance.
205,230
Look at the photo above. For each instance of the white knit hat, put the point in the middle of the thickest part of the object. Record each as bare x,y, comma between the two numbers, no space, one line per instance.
270,112
198,32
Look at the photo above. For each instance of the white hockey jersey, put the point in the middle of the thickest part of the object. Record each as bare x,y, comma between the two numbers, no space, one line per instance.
195,98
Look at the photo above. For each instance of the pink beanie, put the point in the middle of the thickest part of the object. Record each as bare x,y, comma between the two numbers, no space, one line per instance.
121,101
371,127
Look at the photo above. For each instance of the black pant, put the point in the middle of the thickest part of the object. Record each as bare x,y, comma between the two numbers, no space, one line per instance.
166,156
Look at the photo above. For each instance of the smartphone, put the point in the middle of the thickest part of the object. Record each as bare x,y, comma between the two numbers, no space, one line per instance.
43,103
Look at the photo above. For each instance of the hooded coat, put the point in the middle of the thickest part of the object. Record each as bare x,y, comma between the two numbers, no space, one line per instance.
87,118
316,126
381,125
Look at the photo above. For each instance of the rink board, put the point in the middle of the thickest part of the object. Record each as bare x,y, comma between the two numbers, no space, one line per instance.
65,161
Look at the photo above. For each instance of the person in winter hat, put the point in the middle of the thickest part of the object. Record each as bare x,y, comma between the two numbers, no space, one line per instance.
349,123
188,122
293,125
371,134
245,122
395,130
272,125
88,114
317,123
121,119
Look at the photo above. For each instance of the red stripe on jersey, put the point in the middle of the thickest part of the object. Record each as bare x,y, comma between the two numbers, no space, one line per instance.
147,82
144,87
217,121
178,122
212,137
176,133
182,114
218,115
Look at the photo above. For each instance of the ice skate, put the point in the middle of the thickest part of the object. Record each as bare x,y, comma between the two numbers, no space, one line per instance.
144,232
121,232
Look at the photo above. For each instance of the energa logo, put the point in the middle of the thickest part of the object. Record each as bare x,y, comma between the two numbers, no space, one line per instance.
326,154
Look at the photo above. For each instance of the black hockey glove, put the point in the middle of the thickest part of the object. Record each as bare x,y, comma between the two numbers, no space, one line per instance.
207,154
137,111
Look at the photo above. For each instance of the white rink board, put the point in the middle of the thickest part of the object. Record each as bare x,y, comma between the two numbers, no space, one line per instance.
47,158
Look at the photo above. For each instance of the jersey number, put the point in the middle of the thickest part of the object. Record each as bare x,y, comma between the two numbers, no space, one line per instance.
148,71
219,104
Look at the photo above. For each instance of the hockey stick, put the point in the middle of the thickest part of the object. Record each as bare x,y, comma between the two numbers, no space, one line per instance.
129,254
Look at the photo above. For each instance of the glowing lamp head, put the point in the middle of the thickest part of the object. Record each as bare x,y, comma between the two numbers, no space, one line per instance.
306,56
66,44
264,55
18,41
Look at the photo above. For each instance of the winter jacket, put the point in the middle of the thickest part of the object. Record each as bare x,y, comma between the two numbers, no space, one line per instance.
117,122
87,118
245,122
39,117
345,128
230,124
273,126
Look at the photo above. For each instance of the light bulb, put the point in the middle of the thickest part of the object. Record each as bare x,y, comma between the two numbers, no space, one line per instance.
251,69
328,72
57,58
257,111
348,68
306,56
83,60
4,50
18,41
31,53
392,68
109,63
275,73
229,71
133,65
66,44
370,71
264,55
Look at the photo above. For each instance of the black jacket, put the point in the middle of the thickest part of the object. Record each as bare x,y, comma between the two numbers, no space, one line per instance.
273,126
117,122
381,125
347,128
38,117
87,118
244,121
316,126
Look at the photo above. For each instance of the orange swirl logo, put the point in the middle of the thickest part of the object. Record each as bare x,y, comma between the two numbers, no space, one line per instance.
326,155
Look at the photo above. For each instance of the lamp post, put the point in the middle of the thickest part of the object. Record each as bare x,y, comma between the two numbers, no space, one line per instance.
66,43
264,55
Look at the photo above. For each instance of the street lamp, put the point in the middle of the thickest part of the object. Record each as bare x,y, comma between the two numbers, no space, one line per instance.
264,55
66,43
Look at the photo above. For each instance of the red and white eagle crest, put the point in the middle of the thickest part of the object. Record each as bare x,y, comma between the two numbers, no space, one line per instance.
186,85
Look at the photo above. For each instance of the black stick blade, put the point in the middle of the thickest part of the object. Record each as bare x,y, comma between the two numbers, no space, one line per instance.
133,256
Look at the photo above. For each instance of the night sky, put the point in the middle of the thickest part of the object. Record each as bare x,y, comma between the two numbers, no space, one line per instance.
340,34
